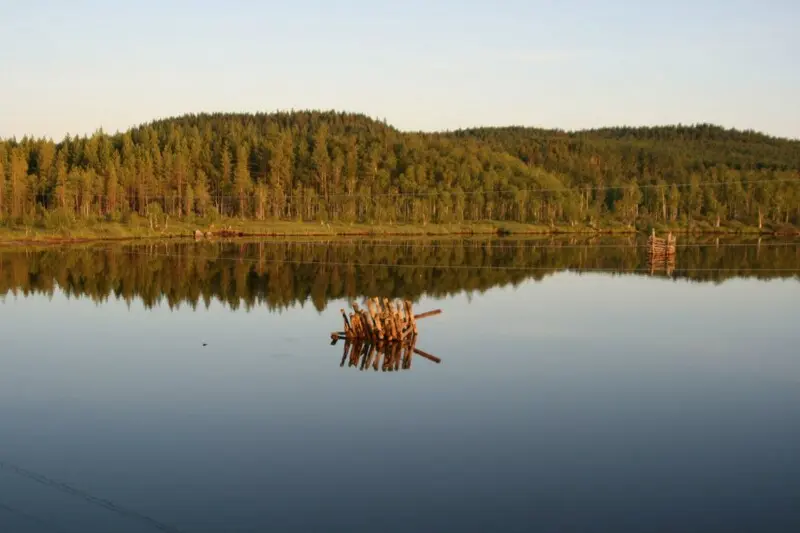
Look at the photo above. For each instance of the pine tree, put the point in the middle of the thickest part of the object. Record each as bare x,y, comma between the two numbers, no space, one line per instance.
2,183
111,189
242,182
261,195
202,197
45,156
17,177
321,160
222,186
180,177
60,180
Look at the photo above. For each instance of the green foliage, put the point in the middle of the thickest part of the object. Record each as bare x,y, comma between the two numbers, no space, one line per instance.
58,219
343,167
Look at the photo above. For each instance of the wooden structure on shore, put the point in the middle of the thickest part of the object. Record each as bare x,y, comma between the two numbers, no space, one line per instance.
381,321
661,252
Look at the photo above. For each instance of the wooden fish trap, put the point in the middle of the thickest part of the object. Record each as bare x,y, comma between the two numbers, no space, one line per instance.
381,321
661,252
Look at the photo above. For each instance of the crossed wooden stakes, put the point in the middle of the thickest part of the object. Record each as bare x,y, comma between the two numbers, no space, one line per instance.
383,336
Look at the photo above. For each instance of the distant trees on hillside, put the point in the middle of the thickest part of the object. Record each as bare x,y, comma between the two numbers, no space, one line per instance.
346,167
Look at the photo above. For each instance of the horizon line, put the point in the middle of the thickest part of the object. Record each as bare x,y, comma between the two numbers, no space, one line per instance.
383,120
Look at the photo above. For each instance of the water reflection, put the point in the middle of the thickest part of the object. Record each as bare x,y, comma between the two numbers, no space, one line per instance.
383,356
281,274
603,393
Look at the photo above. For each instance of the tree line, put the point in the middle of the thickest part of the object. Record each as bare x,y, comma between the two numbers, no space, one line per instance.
278,275
344,167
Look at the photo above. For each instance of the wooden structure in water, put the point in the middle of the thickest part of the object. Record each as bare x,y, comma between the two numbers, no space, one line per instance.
381,321
661,252
382,335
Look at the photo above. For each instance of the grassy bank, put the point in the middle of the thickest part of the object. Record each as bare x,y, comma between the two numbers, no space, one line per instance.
730,228
237,227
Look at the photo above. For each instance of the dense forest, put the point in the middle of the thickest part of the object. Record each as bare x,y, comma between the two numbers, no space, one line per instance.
343,167
277,275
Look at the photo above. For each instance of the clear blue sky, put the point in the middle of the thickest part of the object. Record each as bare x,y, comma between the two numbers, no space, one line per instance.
74,66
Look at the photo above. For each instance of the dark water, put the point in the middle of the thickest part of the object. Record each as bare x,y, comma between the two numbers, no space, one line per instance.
579,389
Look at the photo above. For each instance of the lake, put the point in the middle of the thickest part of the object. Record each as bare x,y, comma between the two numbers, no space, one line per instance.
579,388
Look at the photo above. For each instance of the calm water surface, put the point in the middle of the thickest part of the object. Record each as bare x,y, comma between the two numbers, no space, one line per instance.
577,390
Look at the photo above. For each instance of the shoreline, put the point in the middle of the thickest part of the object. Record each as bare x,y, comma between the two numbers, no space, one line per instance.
199,233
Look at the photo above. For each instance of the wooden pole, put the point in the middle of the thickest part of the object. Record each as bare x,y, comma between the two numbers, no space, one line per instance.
375,317
370,327
355,321
427,314
362,323
411,318
426,355
398,321
346,323
390,319
401,316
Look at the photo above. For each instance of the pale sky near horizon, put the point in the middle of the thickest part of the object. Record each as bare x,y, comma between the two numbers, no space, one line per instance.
76,66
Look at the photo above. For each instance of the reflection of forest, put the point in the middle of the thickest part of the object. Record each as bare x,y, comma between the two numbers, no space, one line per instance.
278,274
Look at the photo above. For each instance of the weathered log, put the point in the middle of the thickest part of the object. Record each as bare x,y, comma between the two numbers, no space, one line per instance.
366,319
346,322
427,314
373,311
411,318
401,317
390,319
355,321
364,329
426,355
398,321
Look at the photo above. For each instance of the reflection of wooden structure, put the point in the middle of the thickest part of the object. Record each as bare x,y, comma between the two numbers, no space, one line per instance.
661,253
384,356
381,321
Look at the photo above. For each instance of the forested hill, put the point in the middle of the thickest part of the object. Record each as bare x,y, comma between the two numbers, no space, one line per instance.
679,148
347,167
